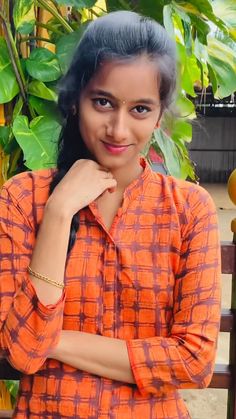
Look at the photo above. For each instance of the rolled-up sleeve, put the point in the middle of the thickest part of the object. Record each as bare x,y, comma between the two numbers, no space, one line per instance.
185,358
28,329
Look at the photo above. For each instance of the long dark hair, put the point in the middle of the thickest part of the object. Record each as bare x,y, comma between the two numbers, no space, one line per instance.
116,36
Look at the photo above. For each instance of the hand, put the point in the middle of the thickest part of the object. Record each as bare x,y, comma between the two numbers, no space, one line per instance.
85,181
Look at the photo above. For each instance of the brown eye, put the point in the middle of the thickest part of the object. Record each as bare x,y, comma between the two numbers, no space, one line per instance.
141,109
102,102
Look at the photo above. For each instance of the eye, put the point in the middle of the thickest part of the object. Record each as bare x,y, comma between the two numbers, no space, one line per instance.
102,102
141,109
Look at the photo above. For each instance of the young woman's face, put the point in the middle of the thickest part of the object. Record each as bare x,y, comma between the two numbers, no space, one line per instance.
118,111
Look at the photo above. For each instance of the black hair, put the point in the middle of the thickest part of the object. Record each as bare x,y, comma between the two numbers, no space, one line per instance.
118,36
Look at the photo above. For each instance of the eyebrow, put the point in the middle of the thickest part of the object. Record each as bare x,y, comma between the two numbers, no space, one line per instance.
146,101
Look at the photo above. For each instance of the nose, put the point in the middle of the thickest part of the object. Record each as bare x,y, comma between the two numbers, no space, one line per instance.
117,127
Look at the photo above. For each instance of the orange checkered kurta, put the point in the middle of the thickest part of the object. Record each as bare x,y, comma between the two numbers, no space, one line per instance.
152,280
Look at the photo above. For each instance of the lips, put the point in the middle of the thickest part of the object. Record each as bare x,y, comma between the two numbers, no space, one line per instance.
115,149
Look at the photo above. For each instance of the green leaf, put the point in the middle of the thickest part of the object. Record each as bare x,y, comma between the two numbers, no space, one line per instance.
43,65
39,89
13,387
182,131
18,107
152,9
190,72
4,135
24,16
226,10
185,107
45,108
38,140
78,4
169,151
66,45
167,20
223,61
8,84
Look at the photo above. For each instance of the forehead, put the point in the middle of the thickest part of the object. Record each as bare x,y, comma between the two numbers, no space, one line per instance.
127,80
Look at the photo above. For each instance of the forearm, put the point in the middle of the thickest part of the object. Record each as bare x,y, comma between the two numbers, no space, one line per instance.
99,355
49,255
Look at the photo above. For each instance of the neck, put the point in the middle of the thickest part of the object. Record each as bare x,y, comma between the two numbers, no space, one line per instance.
125,176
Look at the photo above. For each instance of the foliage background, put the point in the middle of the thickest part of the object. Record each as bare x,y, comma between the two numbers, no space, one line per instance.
37,39
37,43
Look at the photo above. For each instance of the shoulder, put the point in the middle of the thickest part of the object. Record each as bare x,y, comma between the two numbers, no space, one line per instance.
184,195
27,192
26,183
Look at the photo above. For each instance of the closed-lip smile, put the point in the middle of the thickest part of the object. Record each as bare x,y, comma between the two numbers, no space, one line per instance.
115,148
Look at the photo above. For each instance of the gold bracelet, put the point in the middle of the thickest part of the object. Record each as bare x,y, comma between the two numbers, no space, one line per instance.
45,278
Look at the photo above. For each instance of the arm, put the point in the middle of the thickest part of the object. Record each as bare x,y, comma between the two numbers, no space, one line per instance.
31,310
99,355
184,359
28,327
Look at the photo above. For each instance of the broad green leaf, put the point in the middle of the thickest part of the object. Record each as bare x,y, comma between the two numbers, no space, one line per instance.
167,20
45,108
24,16
18,107
43,65
113,5
169,151
13,387
226,10
152,9
8,84
200,9
202,29
185,107
38,140
223,61
190,72
78,4
182,131
39,89
66,45
4,135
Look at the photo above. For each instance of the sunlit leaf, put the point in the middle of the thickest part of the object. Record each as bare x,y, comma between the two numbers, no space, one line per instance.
223,61
226,10
78,4
169,151
38,140
43,65
8,84
39,89
24,16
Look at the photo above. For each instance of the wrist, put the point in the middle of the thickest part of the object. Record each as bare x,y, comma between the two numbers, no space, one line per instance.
57,211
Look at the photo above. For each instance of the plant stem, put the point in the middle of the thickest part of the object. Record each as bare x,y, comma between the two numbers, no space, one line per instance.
36,38
49,27
54,12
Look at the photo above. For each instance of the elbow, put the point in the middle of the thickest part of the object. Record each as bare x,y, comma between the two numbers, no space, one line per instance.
25,366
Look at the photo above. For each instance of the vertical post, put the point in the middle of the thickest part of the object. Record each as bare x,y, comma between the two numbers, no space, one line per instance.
231,409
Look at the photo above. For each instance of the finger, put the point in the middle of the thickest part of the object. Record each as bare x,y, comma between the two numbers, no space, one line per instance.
110,183
108,175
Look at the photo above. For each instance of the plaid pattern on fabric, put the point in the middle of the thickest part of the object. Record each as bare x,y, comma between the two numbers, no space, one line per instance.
152,280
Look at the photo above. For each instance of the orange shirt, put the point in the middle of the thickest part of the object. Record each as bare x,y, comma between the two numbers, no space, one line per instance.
152,280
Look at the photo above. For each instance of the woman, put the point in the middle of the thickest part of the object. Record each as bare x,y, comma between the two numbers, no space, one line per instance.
109,272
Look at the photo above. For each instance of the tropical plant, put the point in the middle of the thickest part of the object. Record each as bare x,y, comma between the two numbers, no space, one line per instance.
31,65
36,48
